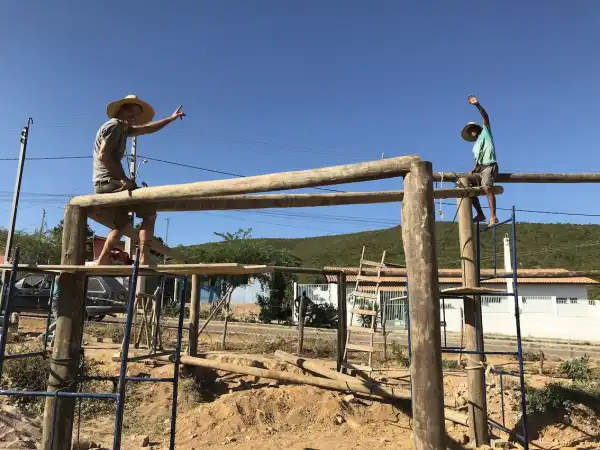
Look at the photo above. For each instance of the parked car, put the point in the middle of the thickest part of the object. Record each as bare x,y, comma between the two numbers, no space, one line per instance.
105,295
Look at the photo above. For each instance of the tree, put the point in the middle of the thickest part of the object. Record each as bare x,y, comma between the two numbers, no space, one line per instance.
239,247
55,236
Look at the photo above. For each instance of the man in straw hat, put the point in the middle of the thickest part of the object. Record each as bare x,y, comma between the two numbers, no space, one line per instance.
486,167
129,116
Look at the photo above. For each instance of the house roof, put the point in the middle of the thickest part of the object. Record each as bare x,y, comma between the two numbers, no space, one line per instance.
393,277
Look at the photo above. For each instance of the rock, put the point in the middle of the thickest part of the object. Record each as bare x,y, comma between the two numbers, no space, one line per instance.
274,384
350,398
100,340
230,439
461,401
384,440
83,445
500,443
141,440
463,439
338,420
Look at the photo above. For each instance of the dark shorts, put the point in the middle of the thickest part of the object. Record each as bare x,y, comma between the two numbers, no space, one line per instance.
119,216
486,175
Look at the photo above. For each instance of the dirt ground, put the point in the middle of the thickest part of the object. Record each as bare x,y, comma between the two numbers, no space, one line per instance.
244,412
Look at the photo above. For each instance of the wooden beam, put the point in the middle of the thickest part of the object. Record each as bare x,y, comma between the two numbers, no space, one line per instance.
418,236
67,338
593,177
155,245
349,173
234,202
194,316
478,428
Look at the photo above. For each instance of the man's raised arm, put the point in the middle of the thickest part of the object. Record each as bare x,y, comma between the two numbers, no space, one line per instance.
484,115
153,127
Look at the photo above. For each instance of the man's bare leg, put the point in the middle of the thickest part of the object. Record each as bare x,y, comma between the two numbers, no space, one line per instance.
480,217
492,202
112,241
146,234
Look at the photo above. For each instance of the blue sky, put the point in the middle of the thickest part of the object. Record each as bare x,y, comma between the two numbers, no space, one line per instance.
280,85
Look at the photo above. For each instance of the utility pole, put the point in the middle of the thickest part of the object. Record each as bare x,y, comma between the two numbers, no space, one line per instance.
132,176
42,226
13,216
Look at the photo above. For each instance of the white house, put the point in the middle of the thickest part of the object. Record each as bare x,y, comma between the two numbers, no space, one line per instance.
556,308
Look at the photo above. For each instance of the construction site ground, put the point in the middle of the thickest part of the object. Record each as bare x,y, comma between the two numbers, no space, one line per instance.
245,412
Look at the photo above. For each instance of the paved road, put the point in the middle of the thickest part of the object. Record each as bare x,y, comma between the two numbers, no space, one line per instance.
561,349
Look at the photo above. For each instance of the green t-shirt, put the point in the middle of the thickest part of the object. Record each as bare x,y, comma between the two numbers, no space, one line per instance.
484,150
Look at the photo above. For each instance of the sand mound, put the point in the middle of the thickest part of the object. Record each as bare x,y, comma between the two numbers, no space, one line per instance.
290,410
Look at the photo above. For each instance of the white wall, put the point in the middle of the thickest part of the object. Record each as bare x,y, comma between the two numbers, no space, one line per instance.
541,315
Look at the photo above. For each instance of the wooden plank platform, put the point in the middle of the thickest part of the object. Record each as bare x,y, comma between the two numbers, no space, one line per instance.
472,291
174,269
363,312
359,348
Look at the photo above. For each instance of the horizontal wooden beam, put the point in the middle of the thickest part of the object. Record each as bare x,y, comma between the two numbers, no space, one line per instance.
233,202
349,173
173,269
486,273
592,177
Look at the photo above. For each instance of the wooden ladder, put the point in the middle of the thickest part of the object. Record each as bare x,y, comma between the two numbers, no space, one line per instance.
358,299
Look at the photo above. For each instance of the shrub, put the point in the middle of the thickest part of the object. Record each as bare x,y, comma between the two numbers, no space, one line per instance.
576,369
30,374
450,364
398,355
552,397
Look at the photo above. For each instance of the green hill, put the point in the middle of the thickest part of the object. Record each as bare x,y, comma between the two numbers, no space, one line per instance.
538,245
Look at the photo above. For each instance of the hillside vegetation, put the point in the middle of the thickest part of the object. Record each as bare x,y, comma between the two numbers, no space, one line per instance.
538,245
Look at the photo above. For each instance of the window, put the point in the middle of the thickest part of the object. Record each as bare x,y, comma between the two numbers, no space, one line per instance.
94,285
561,301
592,302
573,301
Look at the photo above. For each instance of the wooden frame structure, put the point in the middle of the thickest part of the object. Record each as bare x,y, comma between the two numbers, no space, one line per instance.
418,232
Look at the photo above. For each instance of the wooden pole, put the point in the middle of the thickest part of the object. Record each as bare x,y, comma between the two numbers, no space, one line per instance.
342,320
194,316
212,314
301,325
349,173
418,235
68,333
478,429
224,337
230,202
593,177
355,386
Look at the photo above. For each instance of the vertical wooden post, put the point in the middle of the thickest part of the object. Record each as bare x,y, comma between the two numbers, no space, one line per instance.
301,325
68,334
194,316
342,319
478,428
226,309
418,236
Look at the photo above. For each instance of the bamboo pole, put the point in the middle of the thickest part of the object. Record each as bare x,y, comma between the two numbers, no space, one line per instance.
418,236
301,325
68,334
478,429
212,314
349,173
592,177
234,202
225,323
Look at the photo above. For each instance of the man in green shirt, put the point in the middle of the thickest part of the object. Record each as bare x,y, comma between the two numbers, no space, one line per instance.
486,166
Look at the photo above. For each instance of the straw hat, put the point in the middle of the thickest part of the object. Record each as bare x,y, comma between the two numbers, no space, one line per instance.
466,131
147,111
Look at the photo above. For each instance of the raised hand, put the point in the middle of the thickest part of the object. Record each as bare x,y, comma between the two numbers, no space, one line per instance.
473,100
178,114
